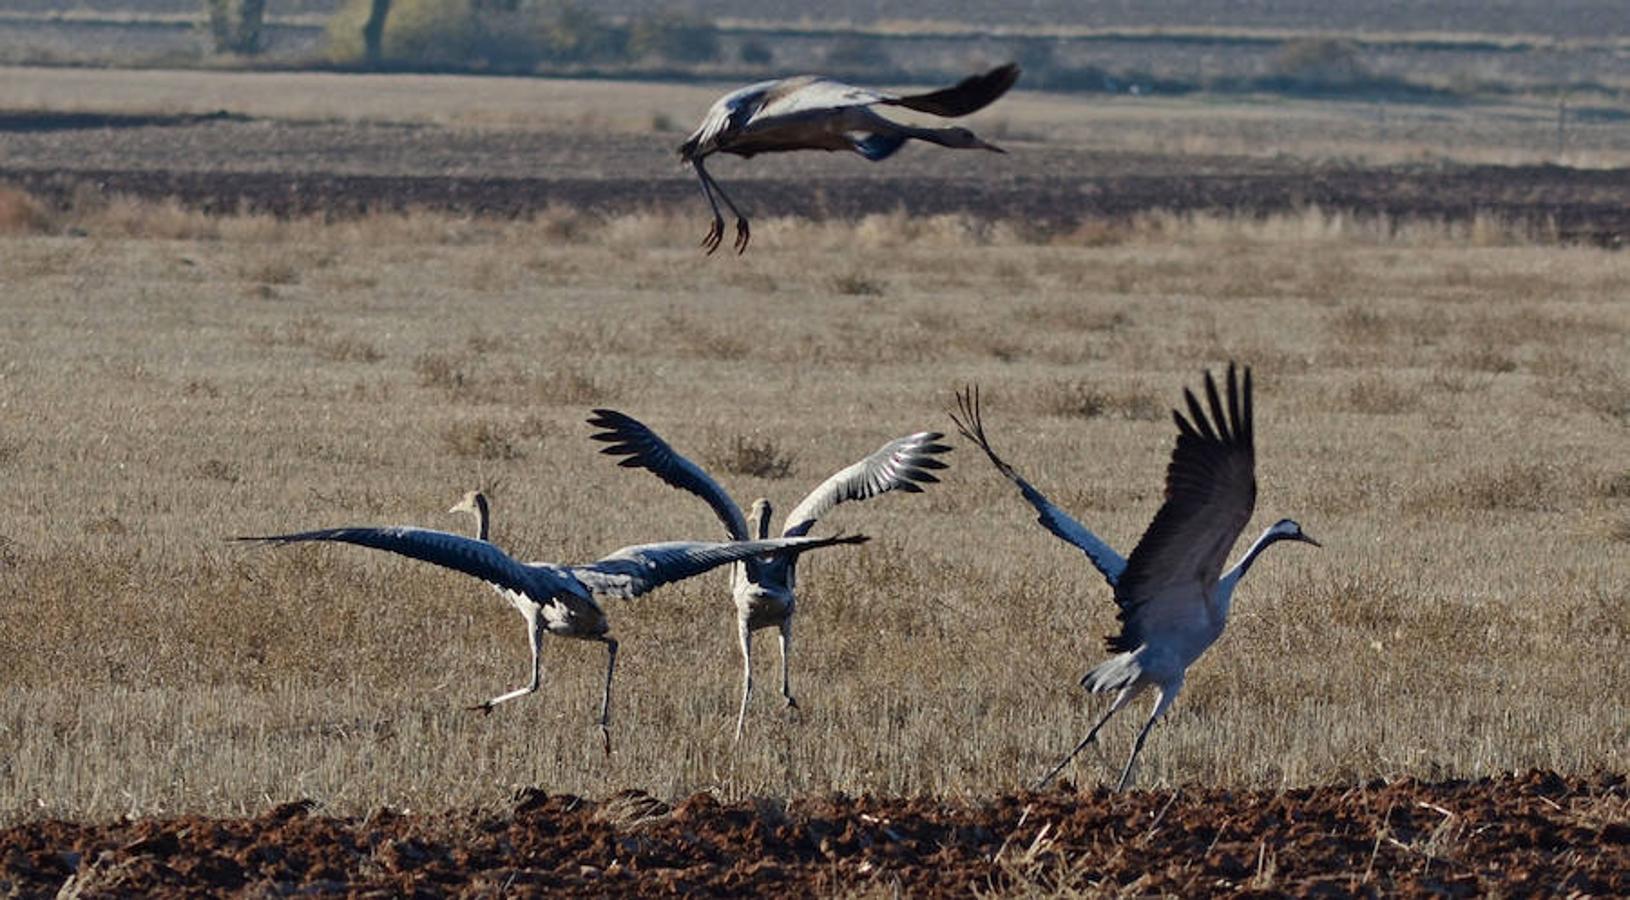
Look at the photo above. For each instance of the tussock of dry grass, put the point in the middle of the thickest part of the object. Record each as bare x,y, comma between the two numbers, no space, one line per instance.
753,457
1467,615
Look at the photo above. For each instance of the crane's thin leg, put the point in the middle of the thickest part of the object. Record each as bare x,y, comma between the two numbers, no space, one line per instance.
1167,694
535,635
605,701
743,233
746,636
715,234
786,647
1121,699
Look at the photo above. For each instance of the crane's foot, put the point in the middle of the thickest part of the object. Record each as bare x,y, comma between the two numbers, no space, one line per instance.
484,707
605,738
715,235
743,235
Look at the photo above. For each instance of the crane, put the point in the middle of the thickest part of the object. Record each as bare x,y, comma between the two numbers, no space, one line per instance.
811,112
1172,591
763,587
558,599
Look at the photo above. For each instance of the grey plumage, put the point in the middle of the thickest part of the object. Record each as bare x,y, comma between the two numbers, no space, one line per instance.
559,599
1172,593
810,112
763,587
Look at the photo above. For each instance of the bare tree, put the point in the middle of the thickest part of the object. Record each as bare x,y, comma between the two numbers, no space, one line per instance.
373,31
235,25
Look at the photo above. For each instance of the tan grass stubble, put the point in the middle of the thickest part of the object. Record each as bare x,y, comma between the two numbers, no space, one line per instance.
1439,413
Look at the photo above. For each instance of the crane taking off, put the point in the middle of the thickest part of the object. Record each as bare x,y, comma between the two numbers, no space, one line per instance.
1172,592
763,586
811,112
556,598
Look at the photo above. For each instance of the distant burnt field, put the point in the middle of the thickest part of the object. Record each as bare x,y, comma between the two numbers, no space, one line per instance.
229,164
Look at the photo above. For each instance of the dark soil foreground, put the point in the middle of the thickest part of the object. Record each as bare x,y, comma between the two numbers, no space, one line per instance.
1537,834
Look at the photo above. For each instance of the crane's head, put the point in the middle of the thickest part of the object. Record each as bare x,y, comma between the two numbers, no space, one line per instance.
758,519
1288,530
473,502
963,139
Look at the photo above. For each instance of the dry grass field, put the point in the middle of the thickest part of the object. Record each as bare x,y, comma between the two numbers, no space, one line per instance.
1445,407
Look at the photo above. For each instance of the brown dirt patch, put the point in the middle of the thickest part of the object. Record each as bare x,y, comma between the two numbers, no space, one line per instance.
1521,835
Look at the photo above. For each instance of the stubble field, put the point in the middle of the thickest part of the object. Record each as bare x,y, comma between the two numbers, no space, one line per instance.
1442,404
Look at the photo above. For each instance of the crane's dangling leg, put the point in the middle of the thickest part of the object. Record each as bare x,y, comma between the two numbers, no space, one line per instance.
786,647
746,636
605,700
715,233
1121,699
534,634
713,189
1168,692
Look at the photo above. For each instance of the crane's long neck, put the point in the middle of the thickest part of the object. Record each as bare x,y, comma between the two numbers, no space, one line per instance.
483,516
1231,578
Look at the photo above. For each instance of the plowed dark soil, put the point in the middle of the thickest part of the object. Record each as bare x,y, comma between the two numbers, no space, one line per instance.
226,163
1530,835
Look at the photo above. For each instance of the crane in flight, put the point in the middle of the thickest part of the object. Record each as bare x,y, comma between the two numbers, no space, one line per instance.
811,112
763,586
558,599
1172,591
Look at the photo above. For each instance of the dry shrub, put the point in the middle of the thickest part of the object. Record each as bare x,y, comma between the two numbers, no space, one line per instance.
571,387
753,457
1377,396
343,348
1484,359
1618,531
698,340
1072,314
219,470
857,284
1095,233
280,270
1614,487
122,216
440,370
20,213
1361,324
481,439
562,223
1531,487
1601,391
1079,399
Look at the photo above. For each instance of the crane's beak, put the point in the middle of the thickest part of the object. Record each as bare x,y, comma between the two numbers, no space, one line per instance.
1307,540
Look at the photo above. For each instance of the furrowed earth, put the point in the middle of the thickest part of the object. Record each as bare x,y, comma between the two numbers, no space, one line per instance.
231,163
1536,834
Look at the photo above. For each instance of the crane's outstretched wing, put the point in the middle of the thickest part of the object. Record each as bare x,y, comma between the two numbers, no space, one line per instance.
728,113
1104,558
633,571
900,464
1210,492
813,93
450,551
796,96
628,437
969,95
